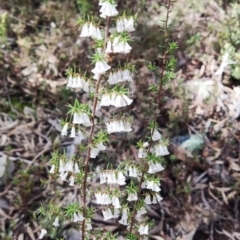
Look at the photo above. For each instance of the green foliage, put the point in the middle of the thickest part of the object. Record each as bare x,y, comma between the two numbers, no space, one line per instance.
229,39
83,6
3,29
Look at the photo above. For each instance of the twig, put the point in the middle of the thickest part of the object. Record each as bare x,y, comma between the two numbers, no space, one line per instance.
159,97
90,140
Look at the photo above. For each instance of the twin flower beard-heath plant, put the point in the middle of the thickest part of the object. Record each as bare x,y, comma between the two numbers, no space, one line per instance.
121,191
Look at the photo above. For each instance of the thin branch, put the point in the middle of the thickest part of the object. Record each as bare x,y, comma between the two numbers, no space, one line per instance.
159,96
90,139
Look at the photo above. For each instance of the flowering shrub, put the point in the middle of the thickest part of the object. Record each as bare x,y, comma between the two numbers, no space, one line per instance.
122,192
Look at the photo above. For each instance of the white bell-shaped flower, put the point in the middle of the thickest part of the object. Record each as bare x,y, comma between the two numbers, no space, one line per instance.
62,166
109,47
148,199
158,197
52,170
121,46
63,175
80,135
132,171
72,180
154,199
107,214
88,226
118,126
106,100
101,146
108,9
81,118
116,202
101,67
96,76
112,78
132,197
76,168
98,197
94,152
120,25
116,212
156,135
121,180
160,150
64,130
106,200
77,217
42,234
140,212
124,218
142,153
69,166
129,24
73,133
125,24
143,229
85,30
90,30
153,186
97,33
155,167
127,75
121,101
56,222
103,177
70,81
119,76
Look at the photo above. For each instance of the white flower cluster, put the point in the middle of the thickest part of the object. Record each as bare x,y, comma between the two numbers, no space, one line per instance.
104,198
119,76
108,214
118,126
125,24
115,99
78,217
96,149
159,149
112,177
100,67
81,118
65,169
118,45
151,185
78,118
78,82
155,167
155,199
132,171
108,8
90,30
